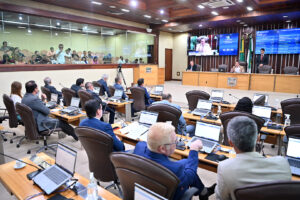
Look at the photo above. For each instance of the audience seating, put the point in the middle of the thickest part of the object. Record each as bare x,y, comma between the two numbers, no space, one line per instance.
138,95
292,107
166,113
84,97
133,169
68,94
47,92
260,101
265,69
223,68
194,95
291,70
98,146
31,131
279,190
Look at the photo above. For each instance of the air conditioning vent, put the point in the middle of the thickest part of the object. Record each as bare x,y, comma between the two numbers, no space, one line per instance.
218,3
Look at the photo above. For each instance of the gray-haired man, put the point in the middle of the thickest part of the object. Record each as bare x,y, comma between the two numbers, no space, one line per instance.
248,167
103,83
52,89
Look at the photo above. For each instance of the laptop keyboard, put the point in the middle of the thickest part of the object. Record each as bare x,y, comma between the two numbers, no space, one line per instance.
208,143
294,163
199,111
55,175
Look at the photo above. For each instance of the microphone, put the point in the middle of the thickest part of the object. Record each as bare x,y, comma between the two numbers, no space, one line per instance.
21,161
234,96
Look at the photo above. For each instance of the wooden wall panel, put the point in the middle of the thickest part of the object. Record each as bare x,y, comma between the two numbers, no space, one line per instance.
262,82
287,84
190,78
161,76
208,79
149,73
243,81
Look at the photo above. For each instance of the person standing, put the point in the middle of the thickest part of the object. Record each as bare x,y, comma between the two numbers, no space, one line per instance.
261,59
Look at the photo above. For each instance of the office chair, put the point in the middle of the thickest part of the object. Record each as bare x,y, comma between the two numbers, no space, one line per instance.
111,90
68,94
3,132
275,190
290,131
214,69
223,68
31,130
199,68
292,107
243,64
193,97
138,95
98,146
132,169
84,97
291,70
260,101
96,84
166,113
265,69
47,92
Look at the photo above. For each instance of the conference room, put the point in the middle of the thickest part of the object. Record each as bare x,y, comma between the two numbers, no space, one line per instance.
149,99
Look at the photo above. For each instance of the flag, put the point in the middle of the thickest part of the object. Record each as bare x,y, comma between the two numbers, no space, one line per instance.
249,56
242,50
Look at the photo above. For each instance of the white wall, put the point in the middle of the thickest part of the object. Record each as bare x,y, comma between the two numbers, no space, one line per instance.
165,42
180,57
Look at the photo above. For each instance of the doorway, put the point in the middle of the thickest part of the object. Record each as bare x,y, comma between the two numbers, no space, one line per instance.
168,64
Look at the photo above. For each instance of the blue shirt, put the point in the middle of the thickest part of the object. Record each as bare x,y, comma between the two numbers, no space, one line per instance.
105,127
147,96
120,87
61,57
184,169
104,86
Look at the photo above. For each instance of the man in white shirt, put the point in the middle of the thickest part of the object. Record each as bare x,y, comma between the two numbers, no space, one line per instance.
60,54
121,60
249,167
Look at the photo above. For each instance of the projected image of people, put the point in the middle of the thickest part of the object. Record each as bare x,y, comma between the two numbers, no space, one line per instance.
204,45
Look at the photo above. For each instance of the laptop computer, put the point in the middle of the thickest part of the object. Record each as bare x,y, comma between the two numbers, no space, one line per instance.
217,95
257,95
203,107
74,106
293,155
142,193
263,112
53,101
209,134
159,89
117,95
58,174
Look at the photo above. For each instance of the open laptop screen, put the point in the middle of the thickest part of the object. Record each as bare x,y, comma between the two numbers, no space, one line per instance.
75,102
148,117
118,93
217,93
54,97
65,158
262,111
256,96
208,131
159,88
204,104
293,148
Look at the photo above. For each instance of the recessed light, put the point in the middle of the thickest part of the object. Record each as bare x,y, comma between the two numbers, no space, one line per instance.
45,30
29,30
200,6
164,20
112,6
21,27
85,27
249,8
245,25
214,13
147,16
226,7
238,20
56,34
288,21
200,25
240,1
20,18
125,10
242,22
285,16
133,3
162,12
57,23
96,3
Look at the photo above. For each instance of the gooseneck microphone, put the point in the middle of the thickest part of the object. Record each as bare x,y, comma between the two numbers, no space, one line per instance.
234,96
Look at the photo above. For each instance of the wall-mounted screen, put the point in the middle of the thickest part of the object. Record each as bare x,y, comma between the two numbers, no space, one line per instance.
267,40
229,44
204,45
289,41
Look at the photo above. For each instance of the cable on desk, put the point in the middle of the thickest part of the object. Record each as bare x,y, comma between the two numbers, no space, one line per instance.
35,195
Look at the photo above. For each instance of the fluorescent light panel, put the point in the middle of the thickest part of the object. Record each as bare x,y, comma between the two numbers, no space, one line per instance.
96,3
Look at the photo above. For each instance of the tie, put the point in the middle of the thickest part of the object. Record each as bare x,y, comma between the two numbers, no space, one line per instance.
261,56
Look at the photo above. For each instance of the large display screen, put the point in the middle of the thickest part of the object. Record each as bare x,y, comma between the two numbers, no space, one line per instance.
204,45
267,40
229,44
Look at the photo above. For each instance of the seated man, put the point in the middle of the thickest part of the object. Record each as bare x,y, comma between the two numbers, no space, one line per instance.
52,89
161,143
78,86
103,82
237,68
90,89
41,112
94,112
118,86
148,100
249,167
182,127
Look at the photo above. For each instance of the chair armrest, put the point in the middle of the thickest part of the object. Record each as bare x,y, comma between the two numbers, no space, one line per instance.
263,137
285,140
188,194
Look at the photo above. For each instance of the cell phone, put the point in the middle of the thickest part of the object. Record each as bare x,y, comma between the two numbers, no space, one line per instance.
225,150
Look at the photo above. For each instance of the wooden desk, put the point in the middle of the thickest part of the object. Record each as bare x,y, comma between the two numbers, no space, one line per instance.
75,120
152,96
208,79
262,82
190,78
242,81
122,107
16,182
287,83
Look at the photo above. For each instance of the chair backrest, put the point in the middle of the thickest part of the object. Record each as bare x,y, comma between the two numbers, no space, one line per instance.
133,169
291,70
265,69
111,90
293,131
214,69
138,95
227,116
31,131
287,190
84,97
47,92
199,68
68,94
96,84
243,64
223,68
98,146
193,97
166,113
260,101
10,107
292,107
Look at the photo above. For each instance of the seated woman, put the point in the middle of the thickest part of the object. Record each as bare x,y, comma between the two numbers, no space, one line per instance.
15,94
237,68
244,104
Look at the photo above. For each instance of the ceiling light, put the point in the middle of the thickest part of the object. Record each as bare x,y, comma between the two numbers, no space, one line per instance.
238,20
285,16
245,25
200,25
288,21
200,6
45,30
226,7
164,20
29,30
56,34
240,1
147,16
96,3
21,27
162,12
125,10
20,18
85,27
249,8
242,22
112,6
214,13
57,23
133,3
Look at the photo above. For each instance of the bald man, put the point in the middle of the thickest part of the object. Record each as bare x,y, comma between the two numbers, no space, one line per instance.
161,143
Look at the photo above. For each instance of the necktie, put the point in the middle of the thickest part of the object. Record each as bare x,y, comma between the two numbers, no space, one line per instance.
261,56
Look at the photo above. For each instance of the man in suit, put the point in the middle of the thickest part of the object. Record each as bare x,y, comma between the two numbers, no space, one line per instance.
41,112
249,167
161,143
192,66
118,86
94,112
261,59
103,83
90,89
78,86
182,127
52,89
148,100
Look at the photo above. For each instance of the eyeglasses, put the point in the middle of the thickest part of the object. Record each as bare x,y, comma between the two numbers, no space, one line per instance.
176,141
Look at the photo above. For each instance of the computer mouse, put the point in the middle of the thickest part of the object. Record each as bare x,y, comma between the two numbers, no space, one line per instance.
221,157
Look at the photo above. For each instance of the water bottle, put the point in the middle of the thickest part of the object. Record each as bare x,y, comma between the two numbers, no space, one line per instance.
287,121
92,189
61,103
219,110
